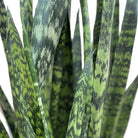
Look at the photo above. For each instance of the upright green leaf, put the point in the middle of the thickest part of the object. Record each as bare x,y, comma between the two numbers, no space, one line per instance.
62,92
97,27
3,132
33,102
50,40
3,20
120,68
40,24
125,109
76,53
101,68
79,103
86,29
27,17
23,123
8,111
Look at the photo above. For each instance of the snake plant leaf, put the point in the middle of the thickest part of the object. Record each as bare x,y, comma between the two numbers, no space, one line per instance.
101,68
62,90
23,123
115,34
86,29
97,27
125,109
40,24
8,111
27,17
55,25
120,67
76,53
79,103
3,132
3,20
33,103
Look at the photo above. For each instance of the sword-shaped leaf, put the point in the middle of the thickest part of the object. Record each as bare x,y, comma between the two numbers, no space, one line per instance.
76,53
79,103
101,68
62,92
27,17
97,27
86,30
120,67
32,100
8,111
53,31
125,109
3,20
3,132
23,123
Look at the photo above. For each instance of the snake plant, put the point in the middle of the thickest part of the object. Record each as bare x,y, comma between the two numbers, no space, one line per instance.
53,96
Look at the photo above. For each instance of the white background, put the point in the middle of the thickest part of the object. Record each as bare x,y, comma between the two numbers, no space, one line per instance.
13,5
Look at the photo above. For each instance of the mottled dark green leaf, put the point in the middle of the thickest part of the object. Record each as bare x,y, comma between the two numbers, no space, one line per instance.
30,97
3,20
50,39
23,123
120,68
27,17
76,53
101,68
79,103
8,111
86,29
62,89
3,132
125,109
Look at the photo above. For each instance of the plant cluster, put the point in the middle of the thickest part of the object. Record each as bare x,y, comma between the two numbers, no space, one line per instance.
53,96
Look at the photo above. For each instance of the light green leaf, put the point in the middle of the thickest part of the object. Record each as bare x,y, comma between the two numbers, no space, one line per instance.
79,103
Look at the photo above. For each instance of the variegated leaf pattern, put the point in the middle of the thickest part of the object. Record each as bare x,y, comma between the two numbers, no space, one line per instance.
120,68
79,103
3,20
27,17
125,109
55,24
62,90
40,24
8,111
101,69
3,132
32,104
76,53
97,27
86,29
23,124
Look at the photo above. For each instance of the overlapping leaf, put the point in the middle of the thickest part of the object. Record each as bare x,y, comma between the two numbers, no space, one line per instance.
125,109
79,103
27,17
86,29
62,90
120,67
51,38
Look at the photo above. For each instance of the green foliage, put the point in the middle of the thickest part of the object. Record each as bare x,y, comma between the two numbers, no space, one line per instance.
53,96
